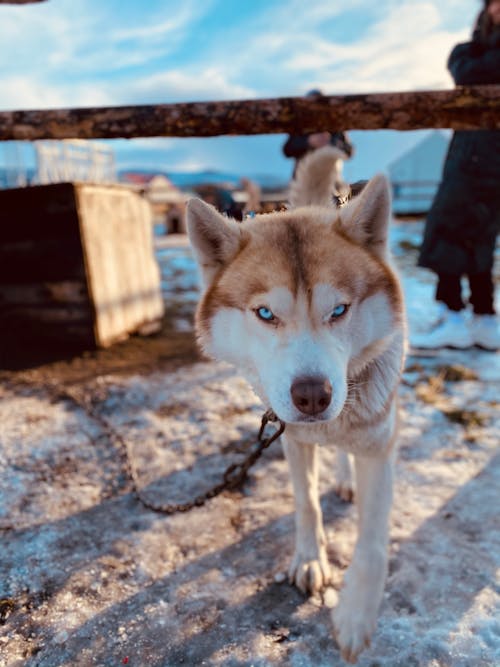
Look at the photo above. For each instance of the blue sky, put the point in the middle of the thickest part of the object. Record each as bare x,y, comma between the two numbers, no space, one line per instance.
64,53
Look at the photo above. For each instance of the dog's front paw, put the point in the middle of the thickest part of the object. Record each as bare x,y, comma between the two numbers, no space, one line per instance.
310,575
352,630
355,617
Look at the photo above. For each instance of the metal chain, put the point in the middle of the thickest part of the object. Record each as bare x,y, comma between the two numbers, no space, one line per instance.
232,478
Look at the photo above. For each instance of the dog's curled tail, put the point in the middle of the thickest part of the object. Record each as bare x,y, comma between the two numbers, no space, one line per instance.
316,178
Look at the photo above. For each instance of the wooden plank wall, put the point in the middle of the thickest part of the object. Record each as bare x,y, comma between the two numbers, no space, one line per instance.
123,276
42,277
76,264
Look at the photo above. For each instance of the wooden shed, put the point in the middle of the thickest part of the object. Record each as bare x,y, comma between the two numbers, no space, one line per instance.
77,264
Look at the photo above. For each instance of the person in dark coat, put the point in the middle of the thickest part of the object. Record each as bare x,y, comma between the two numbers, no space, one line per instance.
464,220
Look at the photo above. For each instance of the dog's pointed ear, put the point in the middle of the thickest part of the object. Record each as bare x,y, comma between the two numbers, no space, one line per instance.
365,219
214,238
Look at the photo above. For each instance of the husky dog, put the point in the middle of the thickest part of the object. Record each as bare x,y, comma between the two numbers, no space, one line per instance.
305,303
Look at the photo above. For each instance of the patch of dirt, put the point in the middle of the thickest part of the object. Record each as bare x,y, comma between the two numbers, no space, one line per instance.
138,354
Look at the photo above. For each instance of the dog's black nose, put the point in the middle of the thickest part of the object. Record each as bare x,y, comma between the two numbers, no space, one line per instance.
311,395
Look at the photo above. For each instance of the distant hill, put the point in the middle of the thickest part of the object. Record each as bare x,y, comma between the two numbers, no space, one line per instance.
416,174
182,179
190,179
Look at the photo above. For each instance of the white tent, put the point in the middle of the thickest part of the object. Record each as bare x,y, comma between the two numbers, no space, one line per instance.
416,174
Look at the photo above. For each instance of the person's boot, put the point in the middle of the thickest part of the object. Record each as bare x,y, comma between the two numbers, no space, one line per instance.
451,330
485,331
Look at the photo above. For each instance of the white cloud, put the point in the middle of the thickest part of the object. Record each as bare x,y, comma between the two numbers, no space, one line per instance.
123,47
207,83
398,53
29,93
164,88
86,37
25,93
156,30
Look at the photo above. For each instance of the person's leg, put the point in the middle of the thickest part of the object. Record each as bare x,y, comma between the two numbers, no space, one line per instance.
482,293
449,291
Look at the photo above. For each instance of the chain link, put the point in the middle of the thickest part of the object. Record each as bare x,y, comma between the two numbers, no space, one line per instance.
232,478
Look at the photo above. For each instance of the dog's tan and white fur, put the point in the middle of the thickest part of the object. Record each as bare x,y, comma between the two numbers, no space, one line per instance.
305,303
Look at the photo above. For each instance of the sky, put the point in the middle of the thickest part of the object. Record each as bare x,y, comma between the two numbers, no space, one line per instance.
77,53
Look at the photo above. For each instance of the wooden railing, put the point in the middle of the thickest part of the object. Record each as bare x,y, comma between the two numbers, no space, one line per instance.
463,108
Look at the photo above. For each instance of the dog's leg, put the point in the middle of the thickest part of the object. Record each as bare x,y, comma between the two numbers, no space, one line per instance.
356,614
309,570
344,486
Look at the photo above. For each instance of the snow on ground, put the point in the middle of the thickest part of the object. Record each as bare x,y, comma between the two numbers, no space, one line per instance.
88,576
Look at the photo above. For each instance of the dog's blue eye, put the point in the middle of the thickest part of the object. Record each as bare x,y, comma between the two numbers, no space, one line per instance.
265,314
338,311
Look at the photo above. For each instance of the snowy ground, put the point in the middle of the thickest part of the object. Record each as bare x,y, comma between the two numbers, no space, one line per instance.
90,577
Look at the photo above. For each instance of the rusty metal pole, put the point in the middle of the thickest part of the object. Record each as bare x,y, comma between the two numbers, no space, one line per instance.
463,108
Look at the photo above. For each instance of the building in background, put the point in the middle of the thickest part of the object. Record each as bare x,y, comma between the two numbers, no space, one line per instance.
15,174
45,162
415,175
74,160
